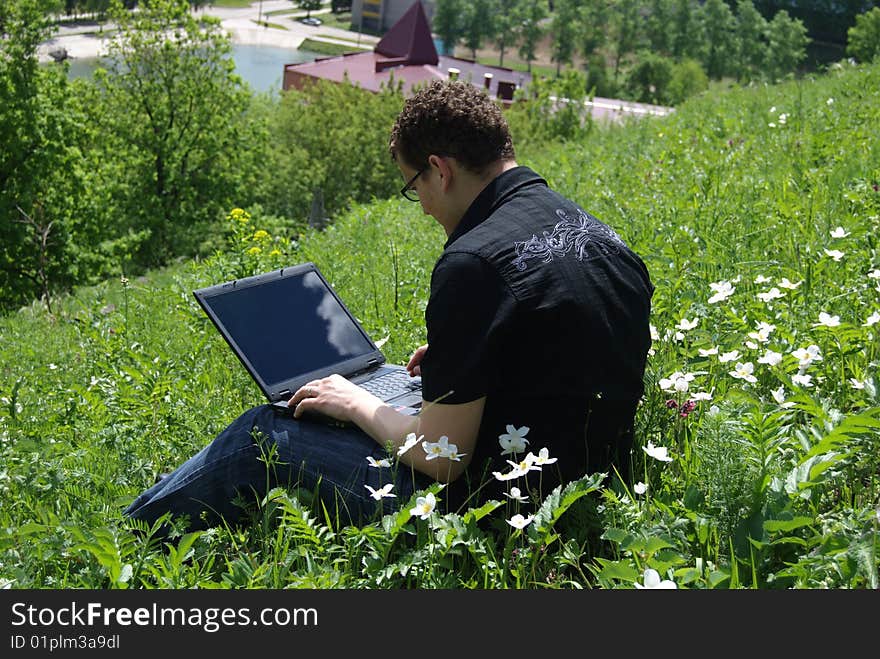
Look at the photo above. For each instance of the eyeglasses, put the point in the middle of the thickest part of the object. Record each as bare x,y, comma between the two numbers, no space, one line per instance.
410,192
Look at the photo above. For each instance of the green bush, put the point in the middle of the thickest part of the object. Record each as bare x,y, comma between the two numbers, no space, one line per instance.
863,38
649,79
688,79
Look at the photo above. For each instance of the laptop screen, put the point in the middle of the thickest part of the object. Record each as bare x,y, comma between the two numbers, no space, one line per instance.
285,324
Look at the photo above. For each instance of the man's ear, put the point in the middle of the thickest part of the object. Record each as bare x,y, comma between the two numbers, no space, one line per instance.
445,167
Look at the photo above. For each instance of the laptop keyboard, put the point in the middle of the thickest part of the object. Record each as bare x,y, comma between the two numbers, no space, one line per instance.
392,384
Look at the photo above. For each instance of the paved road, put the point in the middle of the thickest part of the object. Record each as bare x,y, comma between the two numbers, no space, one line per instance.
90,39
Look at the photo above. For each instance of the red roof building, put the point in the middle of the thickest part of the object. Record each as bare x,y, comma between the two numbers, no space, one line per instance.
406,52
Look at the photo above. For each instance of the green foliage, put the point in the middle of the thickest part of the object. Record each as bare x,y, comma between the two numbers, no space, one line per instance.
551,109
41,163
863,38
345,157
448,23
649,80
171,105
786,49
688,79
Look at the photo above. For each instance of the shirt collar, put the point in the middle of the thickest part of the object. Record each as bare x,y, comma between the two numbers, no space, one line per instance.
501,187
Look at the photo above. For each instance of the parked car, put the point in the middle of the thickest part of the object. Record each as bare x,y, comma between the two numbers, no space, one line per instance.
310,20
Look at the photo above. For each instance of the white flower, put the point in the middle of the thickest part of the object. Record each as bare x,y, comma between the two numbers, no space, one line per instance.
439,449
384,462
773,294
705,352
761,279
802,380
517,495
410,441
874,274
783,118
807,356
772,125
657,452
771,358
525,465
52,367
723,290
509,476
384,491
772,109
785,283
751,345
678,381
743,371
873,319
839,232
424,506
835,254
654,335
763,332
653,582
684,324
857,384
830,101
514,440
728,356
778,394
640,488
827,320
520,522
701,395
543,457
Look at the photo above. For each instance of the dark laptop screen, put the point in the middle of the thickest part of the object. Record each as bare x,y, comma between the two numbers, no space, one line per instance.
288,326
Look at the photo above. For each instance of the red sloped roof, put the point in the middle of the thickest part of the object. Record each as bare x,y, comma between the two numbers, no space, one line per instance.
410,38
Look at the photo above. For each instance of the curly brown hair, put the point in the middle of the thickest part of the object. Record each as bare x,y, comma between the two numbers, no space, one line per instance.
451,118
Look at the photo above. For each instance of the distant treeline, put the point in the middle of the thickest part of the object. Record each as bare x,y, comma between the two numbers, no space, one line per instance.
825,20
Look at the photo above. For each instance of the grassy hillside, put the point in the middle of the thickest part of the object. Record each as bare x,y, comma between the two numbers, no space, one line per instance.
757,213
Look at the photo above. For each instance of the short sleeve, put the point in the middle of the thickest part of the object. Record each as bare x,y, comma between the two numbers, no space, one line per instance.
465,305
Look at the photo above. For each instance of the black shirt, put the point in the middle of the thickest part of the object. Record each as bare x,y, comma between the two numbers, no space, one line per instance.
541,308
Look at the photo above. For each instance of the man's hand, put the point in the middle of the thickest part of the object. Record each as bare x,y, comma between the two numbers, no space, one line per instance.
413,365
333,396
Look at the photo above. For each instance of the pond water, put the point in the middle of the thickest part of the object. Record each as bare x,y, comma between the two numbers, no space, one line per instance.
262,67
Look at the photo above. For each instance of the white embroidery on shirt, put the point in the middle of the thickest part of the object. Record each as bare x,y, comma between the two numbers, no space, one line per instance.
589,238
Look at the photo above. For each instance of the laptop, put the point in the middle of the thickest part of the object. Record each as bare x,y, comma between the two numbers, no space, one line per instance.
288,327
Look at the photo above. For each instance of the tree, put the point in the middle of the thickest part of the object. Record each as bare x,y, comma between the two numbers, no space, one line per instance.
751,46
504,24
564,29
175,108
687,40
787,47
659,26
719,25
309,5
626,31
593,20
448,23
531,29
478,24
41,172
863,38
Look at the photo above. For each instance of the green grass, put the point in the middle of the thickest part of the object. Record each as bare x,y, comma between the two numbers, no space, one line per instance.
325,48
766,489
234,3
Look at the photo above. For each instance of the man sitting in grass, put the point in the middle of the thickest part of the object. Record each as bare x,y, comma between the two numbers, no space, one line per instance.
537,329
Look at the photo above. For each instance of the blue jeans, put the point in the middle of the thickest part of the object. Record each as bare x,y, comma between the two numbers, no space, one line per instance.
264,448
